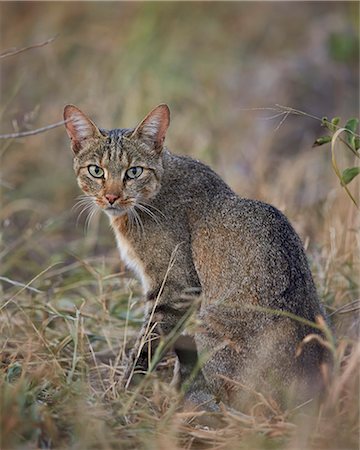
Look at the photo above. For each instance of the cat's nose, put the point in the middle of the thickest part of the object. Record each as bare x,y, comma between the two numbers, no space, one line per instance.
111,198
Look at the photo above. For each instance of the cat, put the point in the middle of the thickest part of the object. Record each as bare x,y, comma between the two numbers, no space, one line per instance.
194,244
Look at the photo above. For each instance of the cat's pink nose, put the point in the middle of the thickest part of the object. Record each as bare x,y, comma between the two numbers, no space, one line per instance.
111,198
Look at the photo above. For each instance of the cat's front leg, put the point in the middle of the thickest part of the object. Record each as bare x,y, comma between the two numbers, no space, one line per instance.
139,358
167,313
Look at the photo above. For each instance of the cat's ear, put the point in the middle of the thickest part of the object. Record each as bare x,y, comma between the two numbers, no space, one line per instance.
79,127
153,128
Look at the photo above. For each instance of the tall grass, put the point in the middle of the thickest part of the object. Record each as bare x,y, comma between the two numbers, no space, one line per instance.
69,310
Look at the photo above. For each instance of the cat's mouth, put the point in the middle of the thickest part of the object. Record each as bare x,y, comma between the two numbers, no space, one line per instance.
115,210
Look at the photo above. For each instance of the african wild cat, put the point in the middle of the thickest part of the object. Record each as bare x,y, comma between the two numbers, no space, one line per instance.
241,257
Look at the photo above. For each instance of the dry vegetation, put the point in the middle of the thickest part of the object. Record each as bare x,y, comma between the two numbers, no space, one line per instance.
64,294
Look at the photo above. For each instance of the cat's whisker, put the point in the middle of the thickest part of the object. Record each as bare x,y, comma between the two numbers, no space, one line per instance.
86,209
138,221
93,212
83,200
131,221
148,212
82,208
84,197
133,224
80,204
86,204
148,205
145,209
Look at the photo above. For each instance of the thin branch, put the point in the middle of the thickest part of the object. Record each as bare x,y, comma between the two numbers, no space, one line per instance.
285,111
32,132
16,51
17,283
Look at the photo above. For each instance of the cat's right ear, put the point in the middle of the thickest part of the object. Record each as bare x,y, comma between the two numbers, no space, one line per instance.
153,128
79,127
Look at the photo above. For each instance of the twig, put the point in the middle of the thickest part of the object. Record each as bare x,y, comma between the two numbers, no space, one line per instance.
26,286
285,111
16,51
335,166
17,283
349,307
32,132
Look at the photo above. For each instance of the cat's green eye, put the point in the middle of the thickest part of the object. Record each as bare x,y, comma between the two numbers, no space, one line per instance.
134,172
96,171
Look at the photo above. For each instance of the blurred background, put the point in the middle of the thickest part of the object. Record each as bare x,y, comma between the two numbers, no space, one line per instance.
221,67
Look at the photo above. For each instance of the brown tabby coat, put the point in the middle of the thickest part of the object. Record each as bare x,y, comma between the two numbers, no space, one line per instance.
239,259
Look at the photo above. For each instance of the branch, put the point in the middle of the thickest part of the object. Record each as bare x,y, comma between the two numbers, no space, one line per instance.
16,51
32,132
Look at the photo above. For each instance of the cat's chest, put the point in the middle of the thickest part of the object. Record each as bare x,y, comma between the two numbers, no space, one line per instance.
130,257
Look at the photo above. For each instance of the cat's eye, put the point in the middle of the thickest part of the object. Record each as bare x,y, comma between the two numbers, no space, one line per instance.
134,172
96,171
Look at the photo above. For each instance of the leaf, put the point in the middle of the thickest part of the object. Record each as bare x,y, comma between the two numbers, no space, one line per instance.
333,125
322,140
349,174
351,140
352,124
335,121
357,143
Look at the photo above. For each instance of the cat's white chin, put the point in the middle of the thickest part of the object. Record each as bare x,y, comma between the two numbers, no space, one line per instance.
115,212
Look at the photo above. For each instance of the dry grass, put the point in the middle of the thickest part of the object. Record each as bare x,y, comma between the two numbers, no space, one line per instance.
66,297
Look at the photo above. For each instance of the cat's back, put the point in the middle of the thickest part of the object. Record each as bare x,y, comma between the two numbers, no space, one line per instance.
210,203
188,180
246,244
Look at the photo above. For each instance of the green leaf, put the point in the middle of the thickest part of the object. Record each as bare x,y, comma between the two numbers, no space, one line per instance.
351,140
335,121
322,140
352,124
333,125
349,174
357,143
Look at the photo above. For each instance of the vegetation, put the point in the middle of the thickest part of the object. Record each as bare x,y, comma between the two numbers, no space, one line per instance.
66,300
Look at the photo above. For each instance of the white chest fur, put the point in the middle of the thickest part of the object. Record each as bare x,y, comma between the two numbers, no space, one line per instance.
131,259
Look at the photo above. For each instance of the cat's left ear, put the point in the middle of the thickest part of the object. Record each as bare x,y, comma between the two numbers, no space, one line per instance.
79,127
153,128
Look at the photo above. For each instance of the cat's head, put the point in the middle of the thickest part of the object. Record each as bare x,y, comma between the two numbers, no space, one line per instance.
122,168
